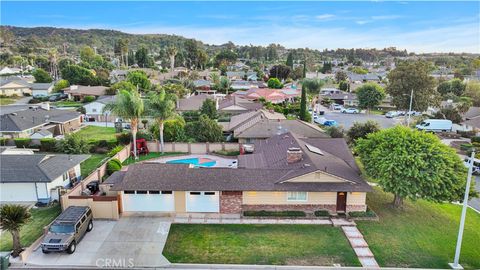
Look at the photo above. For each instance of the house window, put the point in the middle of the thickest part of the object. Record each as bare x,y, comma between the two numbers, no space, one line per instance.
141,192
167,192
129,192
153,192
94,110
209,193
195,193
296,196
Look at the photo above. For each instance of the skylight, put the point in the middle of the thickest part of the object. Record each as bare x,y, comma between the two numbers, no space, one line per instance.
314,149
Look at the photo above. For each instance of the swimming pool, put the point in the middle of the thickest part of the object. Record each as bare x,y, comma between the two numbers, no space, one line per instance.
197,162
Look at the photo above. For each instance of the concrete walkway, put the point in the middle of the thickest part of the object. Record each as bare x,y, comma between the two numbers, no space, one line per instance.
360,246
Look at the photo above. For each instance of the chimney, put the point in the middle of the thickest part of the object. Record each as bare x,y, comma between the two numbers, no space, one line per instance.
294,154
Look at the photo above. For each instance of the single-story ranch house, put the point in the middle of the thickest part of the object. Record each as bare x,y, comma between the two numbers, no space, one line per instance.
31,178
284,172
22,124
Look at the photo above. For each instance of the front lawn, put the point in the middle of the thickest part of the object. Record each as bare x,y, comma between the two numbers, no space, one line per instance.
151,155
67,103
32,230
258,244
92,163
424,234
96,133
7,101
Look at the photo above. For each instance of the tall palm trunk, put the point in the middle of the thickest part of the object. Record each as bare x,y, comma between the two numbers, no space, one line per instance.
134,123
17,247
160,131
172,62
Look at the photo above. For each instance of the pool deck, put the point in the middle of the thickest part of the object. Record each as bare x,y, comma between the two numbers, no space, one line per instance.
220,161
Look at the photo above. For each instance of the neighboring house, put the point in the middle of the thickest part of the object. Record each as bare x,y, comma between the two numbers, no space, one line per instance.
22,124
15,86
94,110
235,104
329,91
194,102
41,134
241,75
41,89
267,128
202,84
9,70
37,178
285,172
78,92
118,75
240,122
343,98
361,78
245,85
274,96
472,119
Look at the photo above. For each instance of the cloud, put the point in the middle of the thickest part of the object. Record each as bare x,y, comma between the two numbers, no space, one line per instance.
325,17
386,17
362,22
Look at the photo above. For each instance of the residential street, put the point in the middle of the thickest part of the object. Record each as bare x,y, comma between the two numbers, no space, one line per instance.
475,202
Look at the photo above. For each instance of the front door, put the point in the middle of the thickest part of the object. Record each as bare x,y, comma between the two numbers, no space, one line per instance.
341,201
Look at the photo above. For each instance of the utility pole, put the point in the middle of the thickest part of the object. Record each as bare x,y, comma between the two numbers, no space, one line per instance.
410,109
455,265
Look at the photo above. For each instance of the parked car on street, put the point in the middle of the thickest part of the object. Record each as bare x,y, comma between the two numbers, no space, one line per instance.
330,123
68,229
337,107
392,114
476,165
350,110
324,121
57,97
435,125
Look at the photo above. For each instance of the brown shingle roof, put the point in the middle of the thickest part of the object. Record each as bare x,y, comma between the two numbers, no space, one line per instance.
267,128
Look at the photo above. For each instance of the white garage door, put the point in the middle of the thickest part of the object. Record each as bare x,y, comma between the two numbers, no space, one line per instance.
151,201
202,201
18,192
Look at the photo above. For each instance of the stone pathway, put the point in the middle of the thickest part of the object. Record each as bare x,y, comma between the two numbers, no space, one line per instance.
360,246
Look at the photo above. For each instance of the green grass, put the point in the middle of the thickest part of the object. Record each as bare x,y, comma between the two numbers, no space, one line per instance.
422,235
67,103
95,133
92,163
258,244
7,101
32,230
150,155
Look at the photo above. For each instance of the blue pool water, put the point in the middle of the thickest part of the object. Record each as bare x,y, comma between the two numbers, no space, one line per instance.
194,161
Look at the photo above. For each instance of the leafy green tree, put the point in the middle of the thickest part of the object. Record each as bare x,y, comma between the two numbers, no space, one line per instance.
472,90
444,88
361,130
123,85
280,71
335,132
41,76
209,108
174,130
457,87
204,130
87,54
370,95
61,84
303,106
412,164
12,218
464,104
225,57
128,105
75,74
359,70
73,144
408,76
161,108
224,85
326,68
451,114
140,79
313,86
143,59
343,85
274,83
289,62
175,89
341,76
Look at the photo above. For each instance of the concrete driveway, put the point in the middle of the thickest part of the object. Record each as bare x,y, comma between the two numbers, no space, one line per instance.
129,242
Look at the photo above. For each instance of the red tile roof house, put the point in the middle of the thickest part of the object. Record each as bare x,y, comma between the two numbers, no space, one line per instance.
284,172
274,96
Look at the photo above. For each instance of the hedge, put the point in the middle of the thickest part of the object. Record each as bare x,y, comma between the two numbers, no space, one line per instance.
124,138
322,213
115,150
113,165
368,213
22,142
274,213
48,144
476,139
88,99
3,141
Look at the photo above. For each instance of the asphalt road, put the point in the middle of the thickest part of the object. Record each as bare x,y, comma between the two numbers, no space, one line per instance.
347,120
475,202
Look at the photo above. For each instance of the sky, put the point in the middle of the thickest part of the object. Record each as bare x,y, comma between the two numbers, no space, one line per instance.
415,26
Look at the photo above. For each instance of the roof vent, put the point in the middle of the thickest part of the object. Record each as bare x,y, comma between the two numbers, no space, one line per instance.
13,113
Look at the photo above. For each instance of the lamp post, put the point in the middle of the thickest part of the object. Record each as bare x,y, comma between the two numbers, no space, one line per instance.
409,108
455,265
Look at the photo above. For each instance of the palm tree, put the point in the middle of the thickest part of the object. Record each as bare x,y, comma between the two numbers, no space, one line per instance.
12,218
128,105
172,52
162,108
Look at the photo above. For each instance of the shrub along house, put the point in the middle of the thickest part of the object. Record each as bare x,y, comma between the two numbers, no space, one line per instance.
37,178
284,172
